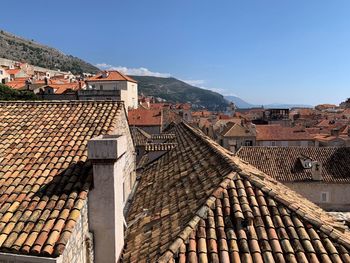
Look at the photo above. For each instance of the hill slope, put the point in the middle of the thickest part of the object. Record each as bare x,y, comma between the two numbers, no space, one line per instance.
175,90
19,49
242,104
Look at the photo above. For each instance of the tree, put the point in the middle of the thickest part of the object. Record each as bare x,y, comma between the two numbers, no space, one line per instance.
7,93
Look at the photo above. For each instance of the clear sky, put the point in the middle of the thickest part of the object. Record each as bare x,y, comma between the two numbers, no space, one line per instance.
264,51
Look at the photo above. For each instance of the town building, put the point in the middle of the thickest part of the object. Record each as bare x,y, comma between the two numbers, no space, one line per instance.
111,85
277,135
67,173
322,175
235,136
4,76
149,120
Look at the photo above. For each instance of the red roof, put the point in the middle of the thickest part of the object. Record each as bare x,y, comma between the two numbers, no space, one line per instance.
145,117
17,83
13,71
62,88
279,133
111,75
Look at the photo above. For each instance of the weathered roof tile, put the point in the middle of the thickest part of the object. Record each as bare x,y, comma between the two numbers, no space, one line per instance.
44,176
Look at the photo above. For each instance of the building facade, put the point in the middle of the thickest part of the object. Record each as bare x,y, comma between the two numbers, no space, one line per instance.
111,85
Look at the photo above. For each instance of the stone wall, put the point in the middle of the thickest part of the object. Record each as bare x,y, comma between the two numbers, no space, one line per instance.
79,248
129,171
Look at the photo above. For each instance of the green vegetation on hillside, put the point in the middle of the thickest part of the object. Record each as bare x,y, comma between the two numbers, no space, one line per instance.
174,90
19,49
6,93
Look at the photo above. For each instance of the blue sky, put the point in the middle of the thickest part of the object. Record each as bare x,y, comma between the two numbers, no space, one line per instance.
264,51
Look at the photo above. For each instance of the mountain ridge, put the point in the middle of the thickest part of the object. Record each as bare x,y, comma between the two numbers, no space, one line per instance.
175,90
20,49
242,104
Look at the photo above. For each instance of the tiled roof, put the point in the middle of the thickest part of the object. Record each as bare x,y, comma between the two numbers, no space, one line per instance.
145,117
17,83
283,164
199,203
279,133
111,75
62,88
13,71
139,136
236,130
44,176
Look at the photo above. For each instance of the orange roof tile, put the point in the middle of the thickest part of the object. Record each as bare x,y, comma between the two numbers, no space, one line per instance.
62,88
279,133
13,71
111,75
199,203
44,173
145,117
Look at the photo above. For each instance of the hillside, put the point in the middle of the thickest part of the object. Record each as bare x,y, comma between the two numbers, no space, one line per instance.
241,104
174,90
19,49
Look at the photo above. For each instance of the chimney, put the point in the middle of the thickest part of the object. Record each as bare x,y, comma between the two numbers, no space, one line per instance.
106,218
335,132
105,74
316,171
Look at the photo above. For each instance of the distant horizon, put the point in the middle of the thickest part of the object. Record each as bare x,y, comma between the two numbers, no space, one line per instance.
264,52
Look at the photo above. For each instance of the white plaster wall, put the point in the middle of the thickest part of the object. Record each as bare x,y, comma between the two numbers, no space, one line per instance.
286,143
339,194
128,90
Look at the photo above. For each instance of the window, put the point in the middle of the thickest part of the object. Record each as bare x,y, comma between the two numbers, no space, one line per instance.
273,143
248,143
101,87
93,86
324,197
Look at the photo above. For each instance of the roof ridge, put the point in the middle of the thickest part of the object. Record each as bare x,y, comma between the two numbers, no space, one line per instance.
315,215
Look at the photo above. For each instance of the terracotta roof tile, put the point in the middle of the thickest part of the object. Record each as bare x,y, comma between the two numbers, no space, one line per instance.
44,176
220,209
111,75
139,136
279,133
145,117
283,163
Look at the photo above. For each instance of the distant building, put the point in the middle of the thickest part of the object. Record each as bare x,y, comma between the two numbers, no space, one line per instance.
277,116
322,175
151,121
16,73
235,136
277,135
4,76
111,85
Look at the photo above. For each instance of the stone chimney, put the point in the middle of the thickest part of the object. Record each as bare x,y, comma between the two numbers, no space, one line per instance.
316,171
335,132
106,218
